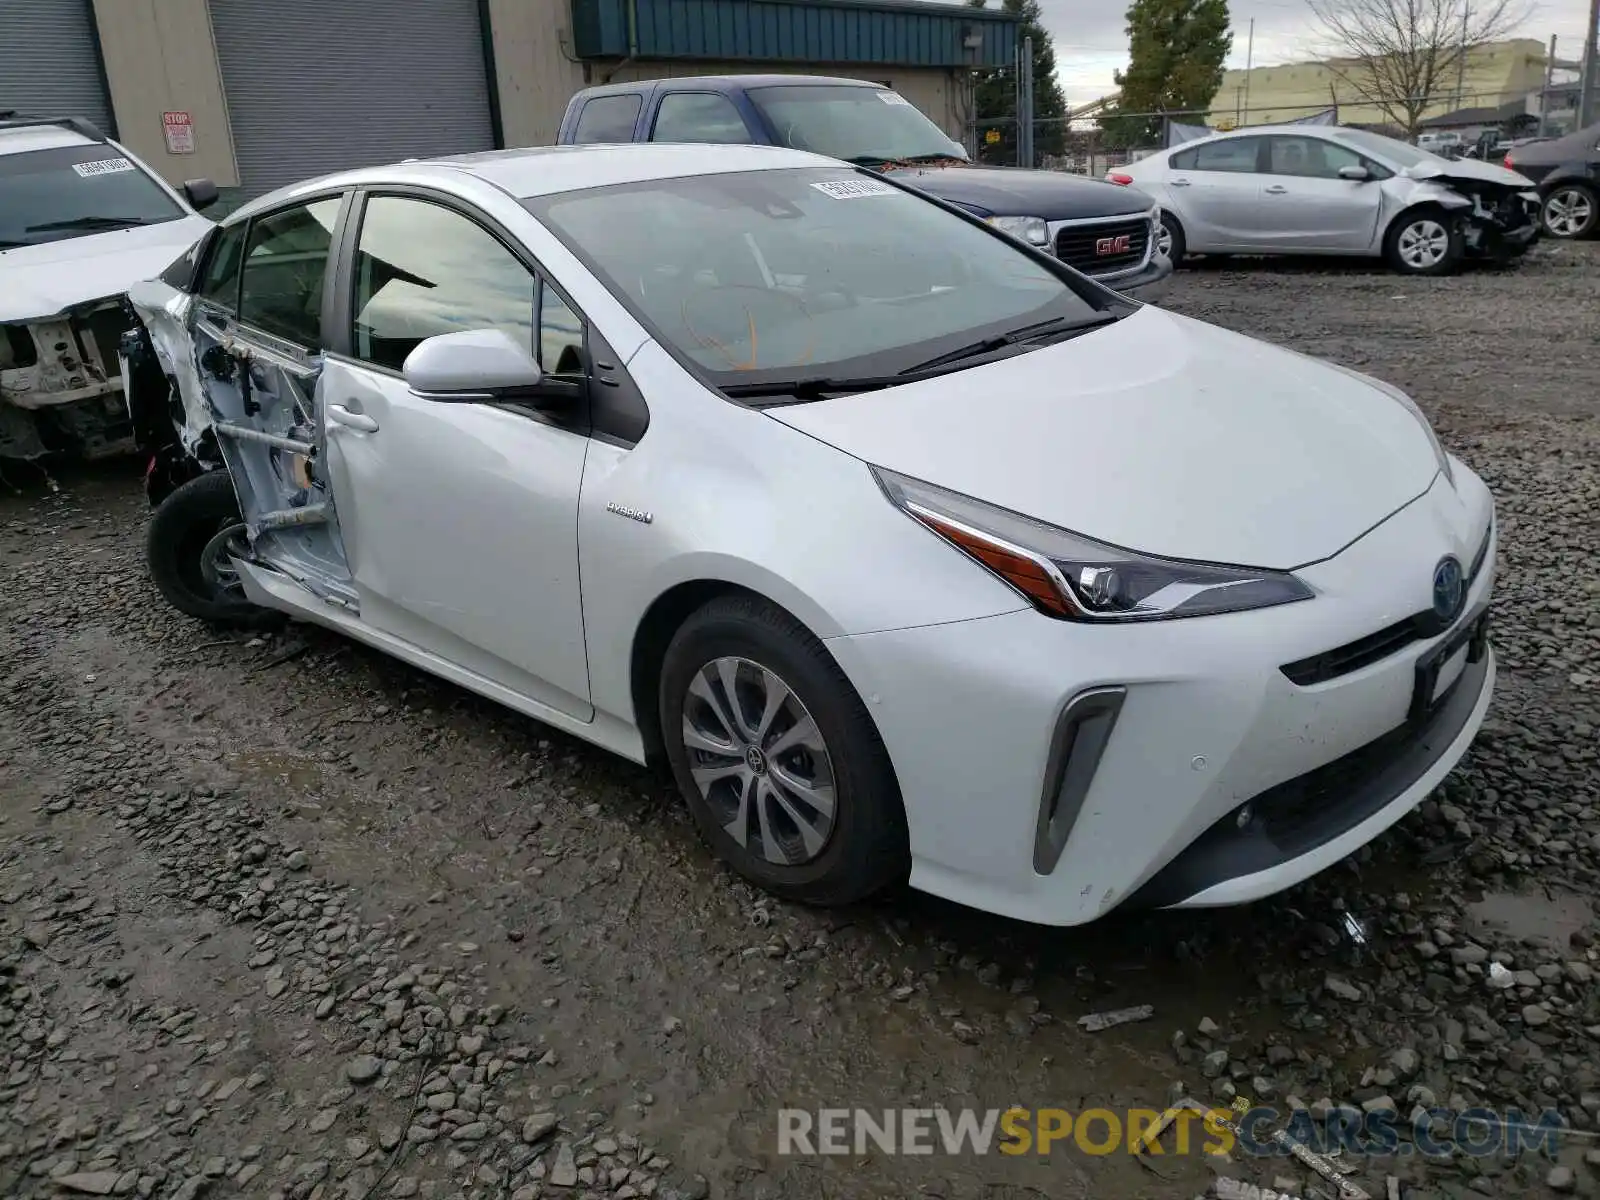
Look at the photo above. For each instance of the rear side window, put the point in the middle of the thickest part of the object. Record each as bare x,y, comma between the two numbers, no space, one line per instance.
607,119
699,117
285,260
1236,154
220,283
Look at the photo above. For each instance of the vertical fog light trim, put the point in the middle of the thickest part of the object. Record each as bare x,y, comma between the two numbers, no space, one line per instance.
1082,731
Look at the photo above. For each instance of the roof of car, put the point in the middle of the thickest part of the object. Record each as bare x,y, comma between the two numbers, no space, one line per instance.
546,170
1252,130
20,139
702,83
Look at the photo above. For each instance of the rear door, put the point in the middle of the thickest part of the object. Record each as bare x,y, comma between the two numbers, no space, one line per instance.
1307,206
460,519
256,334
608,118
1216,190
706,117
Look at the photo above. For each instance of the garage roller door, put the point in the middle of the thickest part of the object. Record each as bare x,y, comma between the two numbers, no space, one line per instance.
323,85
48,64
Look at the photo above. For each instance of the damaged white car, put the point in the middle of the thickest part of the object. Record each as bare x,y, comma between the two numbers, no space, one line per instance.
81,218
1306,189
914,553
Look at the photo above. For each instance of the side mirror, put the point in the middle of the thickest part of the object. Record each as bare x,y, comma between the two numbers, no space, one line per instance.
473,365
201,193
1356,174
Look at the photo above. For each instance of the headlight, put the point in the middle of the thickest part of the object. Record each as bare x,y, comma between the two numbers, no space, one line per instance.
1070,577
1032,230
1410,405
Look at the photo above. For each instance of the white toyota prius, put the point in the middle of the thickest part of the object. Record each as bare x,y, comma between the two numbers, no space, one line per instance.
916,555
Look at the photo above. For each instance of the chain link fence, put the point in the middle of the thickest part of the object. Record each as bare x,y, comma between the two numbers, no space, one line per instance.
1093,145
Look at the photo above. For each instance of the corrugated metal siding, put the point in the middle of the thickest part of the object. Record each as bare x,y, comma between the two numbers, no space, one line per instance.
48,66
792,31
323,85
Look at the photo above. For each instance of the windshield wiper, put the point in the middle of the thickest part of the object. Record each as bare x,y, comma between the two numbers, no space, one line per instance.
1027,333
813,388
87,223
818,387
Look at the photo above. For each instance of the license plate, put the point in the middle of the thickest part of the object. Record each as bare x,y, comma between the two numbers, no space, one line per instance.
1448,674
1442,667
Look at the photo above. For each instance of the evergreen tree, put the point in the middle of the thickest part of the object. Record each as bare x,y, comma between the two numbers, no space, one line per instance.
995,95
1176,49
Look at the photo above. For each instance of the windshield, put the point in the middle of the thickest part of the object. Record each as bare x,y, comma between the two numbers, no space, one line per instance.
70,191
815,272
1399,153
857,124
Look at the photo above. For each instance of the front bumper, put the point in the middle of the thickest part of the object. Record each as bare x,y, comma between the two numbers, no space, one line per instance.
1491,235
59,386
1150,280
1206,721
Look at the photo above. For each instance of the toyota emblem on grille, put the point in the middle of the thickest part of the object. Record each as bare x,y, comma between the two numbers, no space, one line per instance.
1449,589
1114,245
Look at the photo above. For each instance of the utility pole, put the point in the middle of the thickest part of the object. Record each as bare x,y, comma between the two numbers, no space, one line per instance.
1249,61
1025,104
1544,94
1461,58
1589,89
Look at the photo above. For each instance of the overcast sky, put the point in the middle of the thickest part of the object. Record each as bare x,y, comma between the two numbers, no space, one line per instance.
1090,42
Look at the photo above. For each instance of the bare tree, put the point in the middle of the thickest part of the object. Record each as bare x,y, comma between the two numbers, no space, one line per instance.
1404,56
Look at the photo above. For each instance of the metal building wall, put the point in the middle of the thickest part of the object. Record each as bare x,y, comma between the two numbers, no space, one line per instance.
315,86
49,62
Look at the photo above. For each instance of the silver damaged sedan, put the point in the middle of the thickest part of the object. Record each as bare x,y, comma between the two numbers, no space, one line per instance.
1299,189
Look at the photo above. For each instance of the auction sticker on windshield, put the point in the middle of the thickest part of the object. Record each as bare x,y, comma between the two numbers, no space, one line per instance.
849,189
892,98
102,166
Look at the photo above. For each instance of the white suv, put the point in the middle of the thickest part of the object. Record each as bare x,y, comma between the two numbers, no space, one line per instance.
81,219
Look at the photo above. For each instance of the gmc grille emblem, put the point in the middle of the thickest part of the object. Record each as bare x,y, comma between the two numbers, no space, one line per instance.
1114,245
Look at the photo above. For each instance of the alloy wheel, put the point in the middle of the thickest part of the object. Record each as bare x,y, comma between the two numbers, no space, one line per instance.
1568,211
216,560
1164,239
1424,244
759,760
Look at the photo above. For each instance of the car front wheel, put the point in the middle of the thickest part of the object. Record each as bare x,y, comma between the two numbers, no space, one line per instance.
1571,210
781,765
1426,242
1169,239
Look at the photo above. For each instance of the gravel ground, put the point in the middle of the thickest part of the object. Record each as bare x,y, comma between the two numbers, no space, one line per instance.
282,917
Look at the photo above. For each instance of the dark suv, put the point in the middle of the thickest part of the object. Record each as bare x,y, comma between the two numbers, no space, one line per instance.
1105,231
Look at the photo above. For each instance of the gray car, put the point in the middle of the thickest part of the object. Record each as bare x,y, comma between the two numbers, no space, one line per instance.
1299,189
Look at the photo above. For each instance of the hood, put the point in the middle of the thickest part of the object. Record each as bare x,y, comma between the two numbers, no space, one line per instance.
1158,434
1018,192
1583,146
1467,169
41,281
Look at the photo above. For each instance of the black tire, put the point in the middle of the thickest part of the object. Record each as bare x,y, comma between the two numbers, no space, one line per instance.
183,525
1421,220
1175,232
866,849
1581,192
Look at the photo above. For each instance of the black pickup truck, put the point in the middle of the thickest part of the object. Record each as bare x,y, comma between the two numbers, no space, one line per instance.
1105,231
